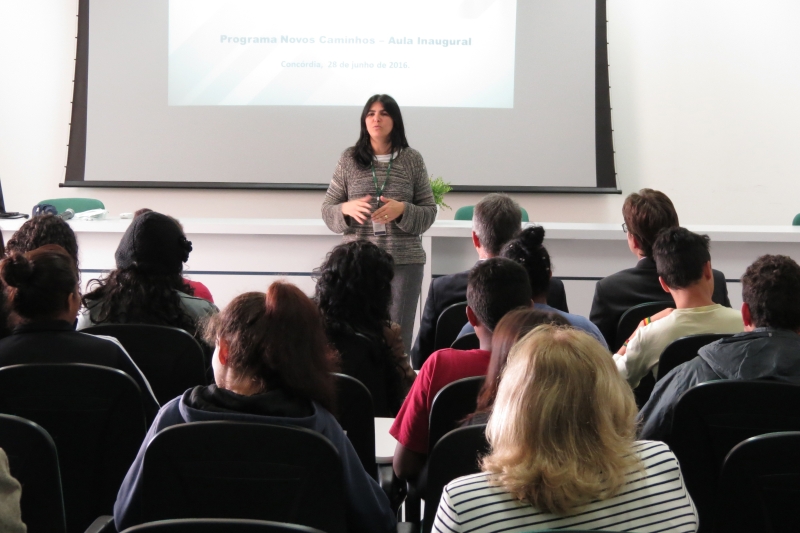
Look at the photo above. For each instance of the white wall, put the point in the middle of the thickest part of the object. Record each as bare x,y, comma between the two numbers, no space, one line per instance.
704,95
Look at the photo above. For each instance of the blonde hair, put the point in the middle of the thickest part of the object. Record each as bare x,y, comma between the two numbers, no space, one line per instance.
564,422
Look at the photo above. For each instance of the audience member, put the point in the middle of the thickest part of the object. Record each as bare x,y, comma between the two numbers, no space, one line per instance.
497,218
495,287
563,450
646,213
198,289
527,250
10,491
41,230
683,262
511,328
147,287
42,292
768,349
272,365
354,292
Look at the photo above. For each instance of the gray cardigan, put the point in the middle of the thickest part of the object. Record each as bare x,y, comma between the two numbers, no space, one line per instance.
408,183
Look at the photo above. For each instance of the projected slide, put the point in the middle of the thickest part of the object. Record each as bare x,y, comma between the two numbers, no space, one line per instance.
442,53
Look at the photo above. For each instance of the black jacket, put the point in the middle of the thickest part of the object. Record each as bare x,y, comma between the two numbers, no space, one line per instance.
761,354
615,294
56,341
452,289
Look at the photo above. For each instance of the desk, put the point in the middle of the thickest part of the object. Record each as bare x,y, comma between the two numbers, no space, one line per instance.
232,256
384,443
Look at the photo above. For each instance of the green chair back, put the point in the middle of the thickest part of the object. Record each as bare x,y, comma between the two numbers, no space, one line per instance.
795,222
466,212
76,204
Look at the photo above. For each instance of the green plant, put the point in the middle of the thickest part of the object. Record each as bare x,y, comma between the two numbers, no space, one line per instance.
440,188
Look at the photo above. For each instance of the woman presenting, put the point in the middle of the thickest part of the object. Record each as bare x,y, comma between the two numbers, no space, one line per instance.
380,192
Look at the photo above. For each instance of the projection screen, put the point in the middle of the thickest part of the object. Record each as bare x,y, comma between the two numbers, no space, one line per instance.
497,95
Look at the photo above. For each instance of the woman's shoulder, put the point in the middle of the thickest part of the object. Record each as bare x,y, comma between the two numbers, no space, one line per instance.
652,452
197,307
411,154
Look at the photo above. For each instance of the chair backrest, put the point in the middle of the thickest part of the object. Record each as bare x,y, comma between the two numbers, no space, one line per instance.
630,319
216,525
33,461
469,341
368,361
355,415
759,485
449,325
685,349
713,417
456,454
170,358
76,204
467,212
238,470
451,405
796,220
96,417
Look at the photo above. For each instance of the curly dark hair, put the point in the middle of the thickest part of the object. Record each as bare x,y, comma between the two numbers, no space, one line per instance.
527,250
277,341
41,230
354,288
771,288
134,297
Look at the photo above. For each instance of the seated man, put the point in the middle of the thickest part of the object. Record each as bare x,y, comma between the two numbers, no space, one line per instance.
497,218
684,271
495,287
646,213
768,349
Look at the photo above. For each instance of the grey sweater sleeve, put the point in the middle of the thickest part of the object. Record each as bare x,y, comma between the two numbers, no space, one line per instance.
420,214
334,198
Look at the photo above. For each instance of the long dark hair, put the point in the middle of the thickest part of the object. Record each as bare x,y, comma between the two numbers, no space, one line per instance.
511,328
276,340
128,295
362,151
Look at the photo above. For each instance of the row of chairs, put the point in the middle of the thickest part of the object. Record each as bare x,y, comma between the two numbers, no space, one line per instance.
80,427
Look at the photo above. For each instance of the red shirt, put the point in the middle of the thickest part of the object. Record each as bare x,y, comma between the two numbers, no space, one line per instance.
410,428
200,290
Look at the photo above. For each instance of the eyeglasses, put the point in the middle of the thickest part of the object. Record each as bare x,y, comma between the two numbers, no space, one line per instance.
625,227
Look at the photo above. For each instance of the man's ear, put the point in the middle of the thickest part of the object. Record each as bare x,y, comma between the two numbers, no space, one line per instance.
708,273
472,317
476,241
747,317
223,351
663,284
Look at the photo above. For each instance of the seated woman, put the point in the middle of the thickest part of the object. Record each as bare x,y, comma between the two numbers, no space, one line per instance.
511,328
354,292
147,287
272,365
42,293
41,230
199,289
564,454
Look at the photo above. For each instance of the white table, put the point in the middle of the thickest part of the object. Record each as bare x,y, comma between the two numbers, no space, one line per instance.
384,443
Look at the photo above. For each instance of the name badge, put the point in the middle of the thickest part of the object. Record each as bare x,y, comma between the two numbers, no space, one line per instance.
379,228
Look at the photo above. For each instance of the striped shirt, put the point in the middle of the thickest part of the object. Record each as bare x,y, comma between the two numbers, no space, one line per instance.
651,501
407,182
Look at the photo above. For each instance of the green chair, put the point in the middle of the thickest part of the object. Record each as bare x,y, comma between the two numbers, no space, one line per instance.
466,212
795,222
78,205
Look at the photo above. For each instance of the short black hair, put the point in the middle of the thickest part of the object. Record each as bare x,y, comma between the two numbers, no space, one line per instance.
680,256
495,220
771,288
495,287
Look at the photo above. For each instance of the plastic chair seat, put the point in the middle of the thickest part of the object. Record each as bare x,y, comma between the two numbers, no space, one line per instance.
451,405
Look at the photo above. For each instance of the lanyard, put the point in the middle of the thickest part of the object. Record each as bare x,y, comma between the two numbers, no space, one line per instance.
379,190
